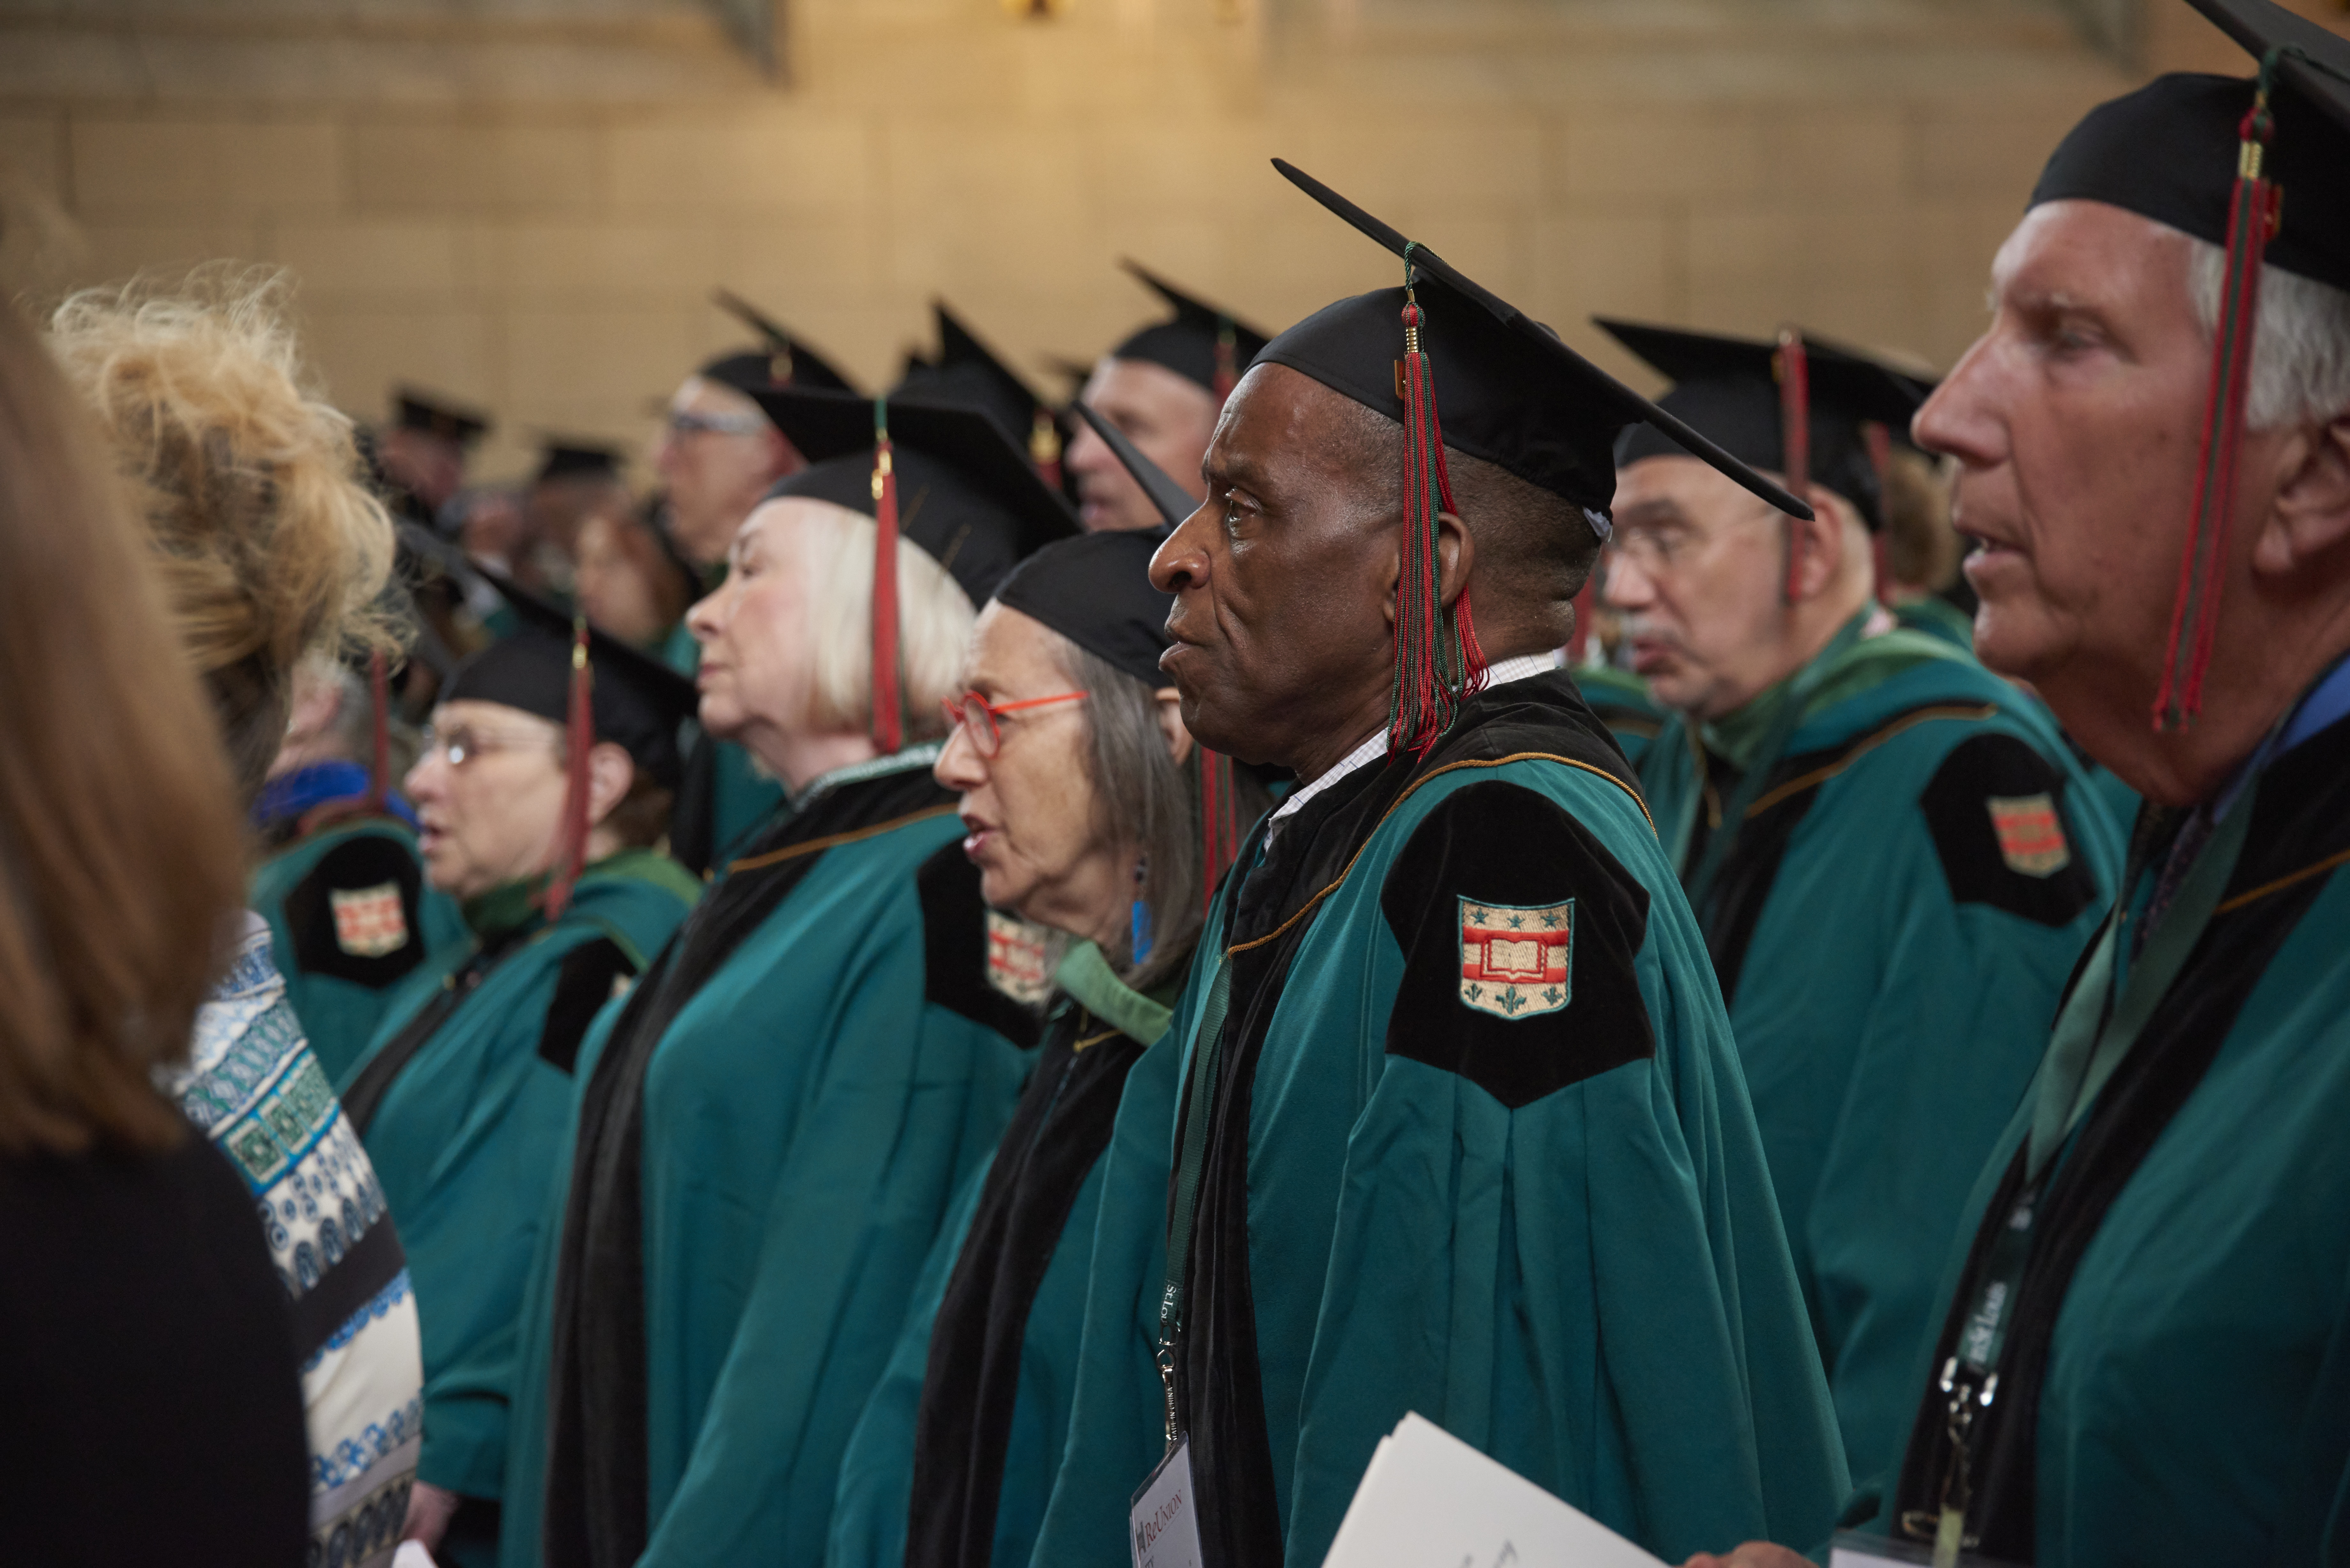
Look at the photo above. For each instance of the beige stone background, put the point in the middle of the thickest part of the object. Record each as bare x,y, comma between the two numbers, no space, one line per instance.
525,203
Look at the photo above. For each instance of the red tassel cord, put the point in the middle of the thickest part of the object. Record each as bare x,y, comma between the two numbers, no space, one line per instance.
889,723
1793,369
1219,825
1045,448
1437,664
2252,214
1880,458
579,741
1228,360
379,722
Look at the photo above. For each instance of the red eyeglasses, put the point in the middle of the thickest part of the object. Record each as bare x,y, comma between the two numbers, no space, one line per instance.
976,716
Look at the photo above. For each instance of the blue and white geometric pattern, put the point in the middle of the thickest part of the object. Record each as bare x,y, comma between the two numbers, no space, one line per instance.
253,1087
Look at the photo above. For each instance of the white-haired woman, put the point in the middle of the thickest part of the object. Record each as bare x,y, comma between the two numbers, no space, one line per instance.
772,1125
1082,801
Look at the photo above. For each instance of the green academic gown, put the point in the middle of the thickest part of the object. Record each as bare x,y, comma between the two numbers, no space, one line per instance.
350,917
1622,702
767,1140
972,1412
2175,1385
1476,1148
1938,618
1919,865
461,1099
724,796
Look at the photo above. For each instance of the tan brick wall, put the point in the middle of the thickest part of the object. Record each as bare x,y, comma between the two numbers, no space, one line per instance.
533,217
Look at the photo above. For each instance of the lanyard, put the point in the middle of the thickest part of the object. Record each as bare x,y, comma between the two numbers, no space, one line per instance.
1783,724
1207,1046
2094,1033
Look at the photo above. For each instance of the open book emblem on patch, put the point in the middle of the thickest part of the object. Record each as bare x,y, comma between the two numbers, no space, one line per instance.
369,922
1015,959
1515,961
2030,838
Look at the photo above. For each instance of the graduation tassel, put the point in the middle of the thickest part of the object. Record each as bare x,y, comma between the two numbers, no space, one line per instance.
2252,214
579,741
1791,368
1045,448
1437,664
1879,442
379,764
888,720
1228,360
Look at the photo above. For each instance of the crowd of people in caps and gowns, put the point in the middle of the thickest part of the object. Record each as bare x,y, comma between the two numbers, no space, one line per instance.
975,978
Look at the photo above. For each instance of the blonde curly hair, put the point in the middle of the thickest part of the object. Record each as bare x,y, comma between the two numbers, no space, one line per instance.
269,546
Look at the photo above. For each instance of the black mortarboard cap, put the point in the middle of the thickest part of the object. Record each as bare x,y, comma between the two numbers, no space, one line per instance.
1188,343
1095,590
1507,389
568,458
966,495
1173,502
1728,387
418,410
638,702
2168,150
969,373
783,358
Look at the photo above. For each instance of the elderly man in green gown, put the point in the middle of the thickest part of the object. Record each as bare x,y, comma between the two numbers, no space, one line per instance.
1457,1123
2139,1354
1893,855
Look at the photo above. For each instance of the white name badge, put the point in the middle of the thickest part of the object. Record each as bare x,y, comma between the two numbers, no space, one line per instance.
1852,1550
1165,1527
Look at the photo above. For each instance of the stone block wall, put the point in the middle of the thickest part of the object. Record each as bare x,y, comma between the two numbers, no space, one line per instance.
527,206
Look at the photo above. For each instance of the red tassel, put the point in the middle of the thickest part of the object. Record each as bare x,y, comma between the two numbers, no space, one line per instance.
1045,448
2252,214
379,764
578,741
1228,358
1880,458
1437,664
889,728
1795,373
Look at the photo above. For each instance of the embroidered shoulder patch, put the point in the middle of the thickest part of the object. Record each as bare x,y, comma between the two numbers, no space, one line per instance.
1516,960
369,922
1015,959
2031,834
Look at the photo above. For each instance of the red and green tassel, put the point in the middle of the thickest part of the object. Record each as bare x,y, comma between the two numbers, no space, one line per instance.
2252,213
1228,358
579,743
1437,664
1792,368
888,720
1045,448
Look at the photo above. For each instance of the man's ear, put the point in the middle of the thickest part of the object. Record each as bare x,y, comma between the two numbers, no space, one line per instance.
1826,543
1170,724
1456,558
2311,515
611,772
